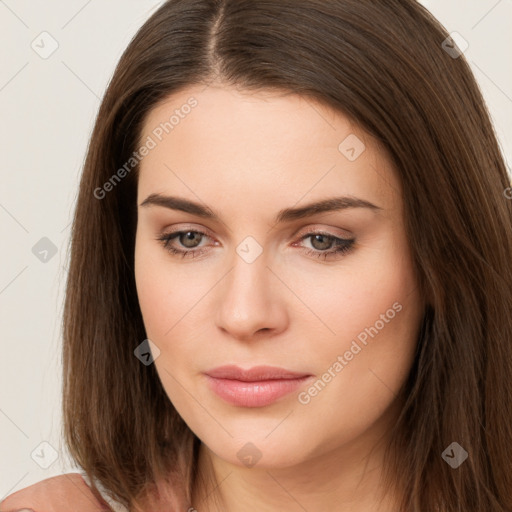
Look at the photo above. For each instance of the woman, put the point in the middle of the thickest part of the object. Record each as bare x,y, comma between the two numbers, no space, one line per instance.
290,271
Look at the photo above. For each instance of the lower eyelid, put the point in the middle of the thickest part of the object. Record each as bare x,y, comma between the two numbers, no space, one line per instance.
170,237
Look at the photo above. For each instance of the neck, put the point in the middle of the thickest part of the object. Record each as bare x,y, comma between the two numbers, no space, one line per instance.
345,479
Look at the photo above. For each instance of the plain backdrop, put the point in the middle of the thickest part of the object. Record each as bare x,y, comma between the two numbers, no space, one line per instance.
48,106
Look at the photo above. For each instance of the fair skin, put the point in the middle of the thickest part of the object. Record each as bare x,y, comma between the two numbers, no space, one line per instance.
247,156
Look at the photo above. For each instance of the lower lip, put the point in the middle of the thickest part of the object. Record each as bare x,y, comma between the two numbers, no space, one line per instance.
255,393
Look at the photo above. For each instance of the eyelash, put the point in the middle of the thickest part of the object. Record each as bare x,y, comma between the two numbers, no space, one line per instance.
343,245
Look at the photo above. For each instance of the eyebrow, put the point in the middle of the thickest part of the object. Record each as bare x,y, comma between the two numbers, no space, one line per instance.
285,215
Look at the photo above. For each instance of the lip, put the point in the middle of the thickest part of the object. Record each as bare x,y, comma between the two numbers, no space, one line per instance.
254,387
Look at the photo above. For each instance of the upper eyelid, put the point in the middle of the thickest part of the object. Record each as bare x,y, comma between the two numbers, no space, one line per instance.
301,235
314,229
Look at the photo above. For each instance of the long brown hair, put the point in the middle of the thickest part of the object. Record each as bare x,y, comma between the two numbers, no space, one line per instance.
382,64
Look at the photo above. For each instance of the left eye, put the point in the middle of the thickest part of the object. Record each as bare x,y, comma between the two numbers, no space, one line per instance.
190,241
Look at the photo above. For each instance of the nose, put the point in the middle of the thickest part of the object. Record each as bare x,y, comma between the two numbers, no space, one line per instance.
251,301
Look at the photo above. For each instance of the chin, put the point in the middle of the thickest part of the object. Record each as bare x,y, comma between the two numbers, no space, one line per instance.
258,450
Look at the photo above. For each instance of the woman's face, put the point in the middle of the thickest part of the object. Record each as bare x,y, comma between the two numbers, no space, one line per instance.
262,284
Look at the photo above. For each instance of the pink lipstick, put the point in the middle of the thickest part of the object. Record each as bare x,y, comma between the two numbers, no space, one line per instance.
255,387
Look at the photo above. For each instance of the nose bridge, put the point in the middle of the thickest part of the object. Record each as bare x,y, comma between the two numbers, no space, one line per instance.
248,301
248,280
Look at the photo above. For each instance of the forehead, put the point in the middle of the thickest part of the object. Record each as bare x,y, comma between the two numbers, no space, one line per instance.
226,143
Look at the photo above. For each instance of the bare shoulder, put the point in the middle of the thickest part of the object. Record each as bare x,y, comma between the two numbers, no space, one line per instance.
56,494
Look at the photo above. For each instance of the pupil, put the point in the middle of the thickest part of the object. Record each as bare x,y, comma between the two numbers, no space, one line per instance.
189,237
325,245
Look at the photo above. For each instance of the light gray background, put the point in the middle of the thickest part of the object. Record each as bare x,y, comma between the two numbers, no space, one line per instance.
48,107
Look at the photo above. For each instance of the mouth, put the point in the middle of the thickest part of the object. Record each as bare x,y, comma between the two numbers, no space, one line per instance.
255,387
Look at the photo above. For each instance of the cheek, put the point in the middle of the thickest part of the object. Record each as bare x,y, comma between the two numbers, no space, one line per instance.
372,289
165,292
167,298
375,311
153,290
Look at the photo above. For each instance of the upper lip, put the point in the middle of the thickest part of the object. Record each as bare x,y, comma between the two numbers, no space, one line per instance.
256,373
